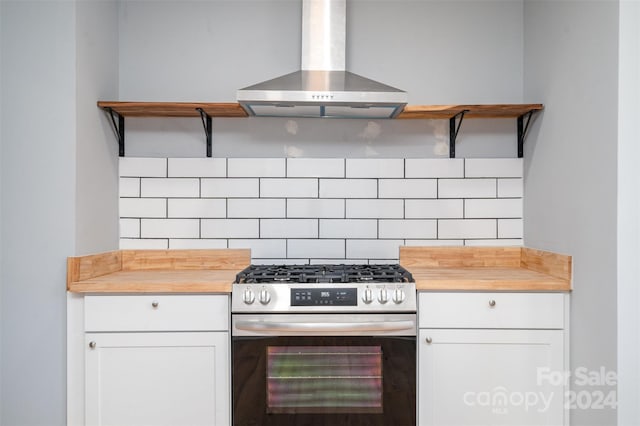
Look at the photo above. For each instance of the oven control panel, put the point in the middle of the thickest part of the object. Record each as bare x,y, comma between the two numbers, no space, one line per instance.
324,297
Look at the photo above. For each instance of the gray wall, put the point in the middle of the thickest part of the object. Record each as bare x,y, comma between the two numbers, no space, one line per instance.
571,65
96,149
38,181
440,52
629,216
58,189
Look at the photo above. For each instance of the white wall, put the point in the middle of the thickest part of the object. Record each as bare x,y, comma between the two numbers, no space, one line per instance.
571,65
629,216
440,52
38,177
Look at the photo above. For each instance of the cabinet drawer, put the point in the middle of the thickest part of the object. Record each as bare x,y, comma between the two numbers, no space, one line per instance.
491,310
156,313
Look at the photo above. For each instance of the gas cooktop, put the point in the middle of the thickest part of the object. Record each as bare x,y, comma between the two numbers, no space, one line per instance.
361,273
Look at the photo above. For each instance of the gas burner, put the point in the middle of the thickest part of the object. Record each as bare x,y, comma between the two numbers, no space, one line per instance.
363,273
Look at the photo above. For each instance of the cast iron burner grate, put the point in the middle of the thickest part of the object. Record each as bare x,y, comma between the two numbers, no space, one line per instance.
384,273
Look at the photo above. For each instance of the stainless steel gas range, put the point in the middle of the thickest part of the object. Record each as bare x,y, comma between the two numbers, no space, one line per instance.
324,345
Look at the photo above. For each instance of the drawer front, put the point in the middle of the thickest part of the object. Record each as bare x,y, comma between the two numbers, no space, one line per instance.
156,313
491,310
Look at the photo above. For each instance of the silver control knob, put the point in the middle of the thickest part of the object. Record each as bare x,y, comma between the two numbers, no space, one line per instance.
398,296
383,296
248,296
367,296
264,296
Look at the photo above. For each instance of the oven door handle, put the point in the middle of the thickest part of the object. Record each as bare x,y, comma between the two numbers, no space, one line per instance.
269,327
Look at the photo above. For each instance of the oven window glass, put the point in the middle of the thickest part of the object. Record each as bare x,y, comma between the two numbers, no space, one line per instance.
324,379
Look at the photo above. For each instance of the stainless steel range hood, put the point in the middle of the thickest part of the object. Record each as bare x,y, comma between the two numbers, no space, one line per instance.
323,87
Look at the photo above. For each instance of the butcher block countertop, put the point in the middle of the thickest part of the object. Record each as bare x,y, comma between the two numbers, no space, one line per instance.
156,271
213,271
487,268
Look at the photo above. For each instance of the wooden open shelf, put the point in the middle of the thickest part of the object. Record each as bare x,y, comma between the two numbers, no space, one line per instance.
209,110
174,109
471,111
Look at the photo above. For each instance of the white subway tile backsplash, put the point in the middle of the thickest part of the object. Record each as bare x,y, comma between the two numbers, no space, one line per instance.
434,168
373,249
129,228
493,208
337,261
274,249
259,208
197,167
143,207
510,228
230,188
142,167
170,228
171,187
196,244
288,228
200,207
510,188
375,168
493,167
143,244
433,209
315,167
467,228
501,242
256,167
467,188
434,243
319,210
348,188
330,249
315,208
382,261
230,228
129,187
289,188
412,228
280,261
348,228
374,209
408,188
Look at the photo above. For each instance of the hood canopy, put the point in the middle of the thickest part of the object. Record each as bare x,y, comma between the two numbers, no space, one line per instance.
323,87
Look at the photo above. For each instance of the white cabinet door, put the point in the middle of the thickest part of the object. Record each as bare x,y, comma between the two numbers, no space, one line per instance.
157,379
490,377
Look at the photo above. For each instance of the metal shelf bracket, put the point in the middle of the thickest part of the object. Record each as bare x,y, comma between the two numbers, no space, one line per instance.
453,132
208,128
522,130
118,128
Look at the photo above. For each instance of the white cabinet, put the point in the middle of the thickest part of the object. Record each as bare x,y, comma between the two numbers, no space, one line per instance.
156,360
491,358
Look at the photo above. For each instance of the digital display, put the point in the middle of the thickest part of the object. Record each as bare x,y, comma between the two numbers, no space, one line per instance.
324,297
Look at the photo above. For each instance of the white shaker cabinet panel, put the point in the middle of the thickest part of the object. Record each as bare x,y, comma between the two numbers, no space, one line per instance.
490,377
157,379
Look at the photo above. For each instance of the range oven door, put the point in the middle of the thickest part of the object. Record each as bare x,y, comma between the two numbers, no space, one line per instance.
332,370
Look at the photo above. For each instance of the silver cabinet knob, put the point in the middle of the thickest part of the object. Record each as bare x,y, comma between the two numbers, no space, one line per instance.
428,340
92,345
155,304
492,303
